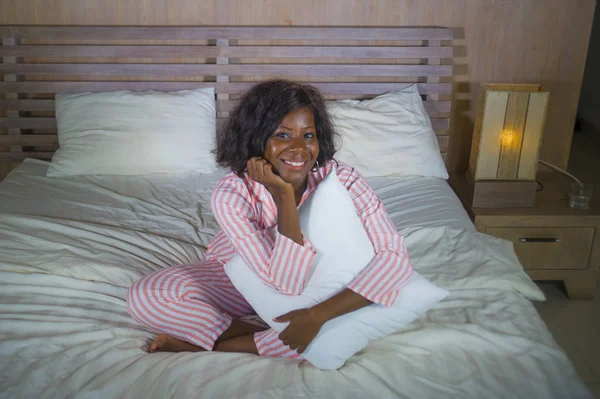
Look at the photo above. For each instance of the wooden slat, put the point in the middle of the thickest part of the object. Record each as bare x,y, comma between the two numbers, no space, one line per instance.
492,125
13,157
149,51
534,127
7,43
27,105
440,124
30,140
443,142
231,88
437,107
223,43
476,139
514,124
27,123
14,88
226,70
434,61
221,32
225,106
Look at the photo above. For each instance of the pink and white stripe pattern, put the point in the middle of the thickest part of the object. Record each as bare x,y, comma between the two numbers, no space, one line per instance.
274,257
196,303
268,344
247,216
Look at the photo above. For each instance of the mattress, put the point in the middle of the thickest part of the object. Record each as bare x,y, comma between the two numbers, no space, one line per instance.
70,247
98,227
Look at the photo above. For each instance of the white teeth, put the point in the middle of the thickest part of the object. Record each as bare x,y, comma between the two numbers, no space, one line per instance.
295,163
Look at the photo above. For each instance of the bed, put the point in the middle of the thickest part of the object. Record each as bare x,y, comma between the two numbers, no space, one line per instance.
71,246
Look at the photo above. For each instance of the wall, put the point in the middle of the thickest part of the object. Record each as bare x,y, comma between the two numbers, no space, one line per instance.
521,41
589,102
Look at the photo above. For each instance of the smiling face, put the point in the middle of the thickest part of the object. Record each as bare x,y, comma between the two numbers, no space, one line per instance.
293,147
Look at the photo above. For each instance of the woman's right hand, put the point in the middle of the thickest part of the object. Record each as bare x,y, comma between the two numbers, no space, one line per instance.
261,171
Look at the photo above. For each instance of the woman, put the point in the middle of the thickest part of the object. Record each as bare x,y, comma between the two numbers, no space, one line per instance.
279,144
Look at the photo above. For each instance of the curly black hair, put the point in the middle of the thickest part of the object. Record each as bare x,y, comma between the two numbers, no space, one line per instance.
259,113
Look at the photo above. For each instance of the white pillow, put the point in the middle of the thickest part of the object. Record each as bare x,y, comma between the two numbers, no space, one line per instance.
135,133
388,135
329,220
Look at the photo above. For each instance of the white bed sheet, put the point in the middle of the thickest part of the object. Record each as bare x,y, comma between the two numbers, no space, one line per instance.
417,202
77,243
94,227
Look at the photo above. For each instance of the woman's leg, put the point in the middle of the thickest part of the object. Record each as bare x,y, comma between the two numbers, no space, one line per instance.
193,305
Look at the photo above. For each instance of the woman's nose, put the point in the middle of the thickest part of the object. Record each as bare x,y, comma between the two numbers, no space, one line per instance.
297,143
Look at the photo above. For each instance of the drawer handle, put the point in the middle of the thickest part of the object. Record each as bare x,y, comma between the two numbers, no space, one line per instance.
538,239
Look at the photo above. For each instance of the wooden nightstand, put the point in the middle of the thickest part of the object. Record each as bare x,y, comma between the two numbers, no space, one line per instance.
552,241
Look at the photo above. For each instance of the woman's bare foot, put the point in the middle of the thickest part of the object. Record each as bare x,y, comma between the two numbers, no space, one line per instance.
166,343
237,329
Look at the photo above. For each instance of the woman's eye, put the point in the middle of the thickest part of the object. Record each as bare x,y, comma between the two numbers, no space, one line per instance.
282,135
309,135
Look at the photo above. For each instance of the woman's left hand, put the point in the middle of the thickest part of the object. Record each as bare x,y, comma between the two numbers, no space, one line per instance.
304,326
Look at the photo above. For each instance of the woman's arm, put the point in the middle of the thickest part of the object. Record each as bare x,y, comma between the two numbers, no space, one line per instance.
269,257
305,324
381,280
288,223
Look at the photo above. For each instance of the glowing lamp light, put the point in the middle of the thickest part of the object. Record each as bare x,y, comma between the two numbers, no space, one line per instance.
508,132
508,138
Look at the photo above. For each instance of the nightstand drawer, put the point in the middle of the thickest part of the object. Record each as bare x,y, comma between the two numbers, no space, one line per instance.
549,247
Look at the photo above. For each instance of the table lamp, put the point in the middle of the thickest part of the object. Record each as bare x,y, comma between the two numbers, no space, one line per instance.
506,141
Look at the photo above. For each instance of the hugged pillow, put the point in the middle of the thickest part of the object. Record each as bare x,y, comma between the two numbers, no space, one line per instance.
388,135
329,220
135,133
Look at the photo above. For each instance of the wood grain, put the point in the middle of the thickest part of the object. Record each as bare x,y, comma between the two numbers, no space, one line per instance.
30,140
571,250
227,33
158,51
551,212
246,69
514,125
536,119
521,41
15,157
28,123
13,114
492,125
62,70
27,105
231,88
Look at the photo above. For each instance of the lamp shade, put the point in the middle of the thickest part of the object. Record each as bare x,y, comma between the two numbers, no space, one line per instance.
508,132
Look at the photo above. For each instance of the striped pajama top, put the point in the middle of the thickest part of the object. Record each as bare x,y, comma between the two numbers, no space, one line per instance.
245,210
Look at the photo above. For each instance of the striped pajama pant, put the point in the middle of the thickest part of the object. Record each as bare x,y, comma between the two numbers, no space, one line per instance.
196,303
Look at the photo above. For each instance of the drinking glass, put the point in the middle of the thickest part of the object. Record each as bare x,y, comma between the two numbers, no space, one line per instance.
579,197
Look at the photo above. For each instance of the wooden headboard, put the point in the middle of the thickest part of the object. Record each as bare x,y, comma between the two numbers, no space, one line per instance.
343,62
